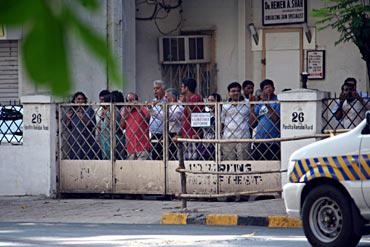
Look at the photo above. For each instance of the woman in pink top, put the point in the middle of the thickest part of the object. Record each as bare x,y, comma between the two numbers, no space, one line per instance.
135,120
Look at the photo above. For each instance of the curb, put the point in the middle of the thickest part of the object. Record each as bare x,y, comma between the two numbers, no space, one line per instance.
230,220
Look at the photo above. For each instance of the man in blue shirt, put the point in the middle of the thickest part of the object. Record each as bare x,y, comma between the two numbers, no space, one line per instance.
266,118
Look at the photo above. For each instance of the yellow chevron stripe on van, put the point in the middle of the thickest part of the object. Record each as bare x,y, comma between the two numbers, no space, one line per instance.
325,168
305,166
327,172
364,165
345,168
294,178
300,173
335,168
314,165
309,175
356,168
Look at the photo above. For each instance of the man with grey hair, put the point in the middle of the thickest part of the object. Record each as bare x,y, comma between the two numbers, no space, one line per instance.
156,124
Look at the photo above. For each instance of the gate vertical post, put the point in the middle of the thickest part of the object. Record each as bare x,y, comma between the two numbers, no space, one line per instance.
218,137
59,152
113,130
182,174
165,144
300,114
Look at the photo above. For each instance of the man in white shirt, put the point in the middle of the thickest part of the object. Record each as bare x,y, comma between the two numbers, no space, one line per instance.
235,125
351,108
156,124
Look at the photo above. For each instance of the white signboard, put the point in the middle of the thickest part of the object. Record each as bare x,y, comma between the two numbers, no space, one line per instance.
284,12
316,65
299,120
201,119
36,117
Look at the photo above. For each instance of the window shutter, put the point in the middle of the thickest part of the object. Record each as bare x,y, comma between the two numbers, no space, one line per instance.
8,70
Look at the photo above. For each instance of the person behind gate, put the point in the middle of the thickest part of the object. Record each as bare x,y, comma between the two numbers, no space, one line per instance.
188,87
156,119
235,124
351,108
81,125
175,114
266,119
135,120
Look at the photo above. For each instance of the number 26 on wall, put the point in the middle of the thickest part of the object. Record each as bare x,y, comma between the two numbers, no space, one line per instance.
36,118
297,117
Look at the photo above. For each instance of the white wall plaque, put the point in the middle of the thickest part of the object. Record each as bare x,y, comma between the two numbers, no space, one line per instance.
284,12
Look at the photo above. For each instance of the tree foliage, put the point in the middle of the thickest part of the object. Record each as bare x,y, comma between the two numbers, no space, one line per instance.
46,26
351,18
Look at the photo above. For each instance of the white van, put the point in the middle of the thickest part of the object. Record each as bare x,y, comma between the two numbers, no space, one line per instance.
329,187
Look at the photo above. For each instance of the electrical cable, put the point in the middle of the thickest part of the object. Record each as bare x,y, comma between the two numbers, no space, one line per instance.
172,30
169,7
156,15
150,17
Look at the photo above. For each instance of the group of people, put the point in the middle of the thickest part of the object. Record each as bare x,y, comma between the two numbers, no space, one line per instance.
137,129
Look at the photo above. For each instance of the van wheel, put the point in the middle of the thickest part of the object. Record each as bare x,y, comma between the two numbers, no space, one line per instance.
327,218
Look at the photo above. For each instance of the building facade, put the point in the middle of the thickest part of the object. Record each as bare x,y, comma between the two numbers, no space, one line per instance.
214,41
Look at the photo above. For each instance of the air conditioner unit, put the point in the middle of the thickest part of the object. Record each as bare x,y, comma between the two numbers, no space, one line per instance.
184,49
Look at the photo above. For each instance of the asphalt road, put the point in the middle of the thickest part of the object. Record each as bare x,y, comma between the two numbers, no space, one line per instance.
46,234
59,234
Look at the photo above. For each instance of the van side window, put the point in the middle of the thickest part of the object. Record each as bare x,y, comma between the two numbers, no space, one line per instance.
366,130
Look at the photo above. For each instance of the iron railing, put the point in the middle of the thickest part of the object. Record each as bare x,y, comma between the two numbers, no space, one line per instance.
339,114
11,123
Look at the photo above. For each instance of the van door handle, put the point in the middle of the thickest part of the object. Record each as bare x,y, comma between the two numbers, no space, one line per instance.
353,160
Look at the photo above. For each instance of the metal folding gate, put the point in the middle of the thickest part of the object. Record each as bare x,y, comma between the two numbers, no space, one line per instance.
85,167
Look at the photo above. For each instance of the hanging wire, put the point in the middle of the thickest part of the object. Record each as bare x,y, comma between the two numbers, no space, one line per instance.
160,11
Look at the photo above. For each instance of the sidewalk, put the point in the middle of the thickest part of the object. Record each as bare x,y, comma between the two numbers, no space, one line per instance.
38,209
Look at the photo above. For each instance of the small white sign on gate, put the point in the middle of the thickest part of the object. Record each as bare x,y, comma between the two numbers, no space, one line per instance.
201,119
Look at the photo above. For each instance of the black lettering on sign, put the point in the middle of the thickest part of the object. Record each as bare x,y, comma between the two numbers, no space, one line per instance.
257,179
297,3
238,179
278,5
297,117
36,118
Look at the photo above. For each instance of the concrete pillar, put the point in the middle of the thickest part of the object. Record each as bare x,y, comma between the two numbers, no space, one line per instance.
301,115
39,145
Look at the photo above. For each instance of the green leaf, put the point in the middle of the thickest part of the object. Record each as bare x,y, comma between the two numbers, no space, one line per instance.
17,12
321,12
90,4
44,53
